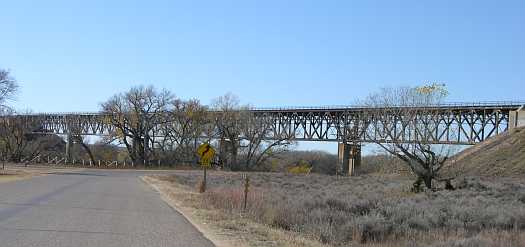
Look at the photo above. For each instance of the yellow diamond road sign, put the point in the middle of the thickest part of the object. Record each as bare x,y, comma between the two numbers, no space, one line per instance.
206,152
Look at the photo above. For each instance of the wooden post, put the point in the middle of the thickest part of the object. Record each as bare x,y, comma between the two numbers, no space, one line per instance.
202,187
246,189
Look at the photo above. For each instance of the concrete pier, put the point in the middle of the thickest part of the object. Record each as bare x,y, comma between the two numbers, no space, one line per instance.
349,158
517,118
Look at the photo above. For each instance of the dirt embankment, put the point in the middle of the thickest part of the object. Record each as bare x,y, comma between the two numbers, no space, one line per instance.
502,155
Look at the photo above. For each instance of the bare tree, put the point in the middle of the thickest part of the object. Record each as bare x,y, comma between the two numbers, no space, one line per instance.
17,140
228,116
8,87
258,140
76,137
136,116
13,136
8,138
244,136
189,120
409,113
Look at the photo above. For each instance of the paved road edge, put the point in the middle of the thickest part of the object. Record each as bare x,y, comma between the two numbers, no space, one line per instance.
162,188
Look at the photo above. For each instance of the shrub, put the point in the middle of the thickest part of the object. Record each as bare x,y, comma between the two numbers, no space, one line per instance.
370,208
303,168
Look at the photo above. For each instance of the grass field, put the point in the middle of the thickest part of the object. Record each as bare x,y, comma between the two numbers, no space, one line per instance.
369,210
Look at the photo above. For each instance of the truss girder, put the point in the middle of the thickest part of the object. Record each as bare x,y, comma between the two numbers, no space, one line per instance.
454,125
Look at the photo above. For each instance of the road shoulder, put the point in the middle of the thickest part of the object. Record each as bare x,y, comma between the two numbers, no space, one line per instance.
219,227
10,175
169,192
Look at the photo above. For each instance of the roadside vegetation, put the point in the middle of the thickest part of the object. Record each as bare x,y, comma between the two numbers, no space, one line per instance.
375,210
13,174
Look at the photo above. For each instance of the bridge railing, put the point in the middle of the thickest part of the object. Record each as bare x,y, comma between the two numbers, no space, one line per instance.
516,104
358,106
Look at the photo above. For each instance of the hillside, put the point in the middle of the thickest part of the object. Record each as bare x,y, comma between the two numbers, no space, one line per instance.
502,155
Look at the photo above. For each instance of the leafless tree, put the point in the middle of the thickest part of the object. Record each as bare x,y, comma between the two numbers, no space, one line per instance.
8,87
244,135
13,137
409,113
17,141
228,116
8,137
77,138
256,146
189,120
135,115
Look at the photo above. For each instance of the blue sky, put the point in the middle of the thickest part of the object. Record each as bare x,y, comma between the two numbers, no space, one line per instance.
72,55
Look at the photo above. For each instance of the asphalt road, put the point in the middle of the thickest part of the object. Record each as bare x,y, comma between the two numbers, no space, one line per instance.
90,208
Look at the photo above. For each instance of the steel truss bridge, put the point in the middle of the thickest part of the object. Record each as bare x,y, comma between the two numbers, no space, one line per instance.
459,123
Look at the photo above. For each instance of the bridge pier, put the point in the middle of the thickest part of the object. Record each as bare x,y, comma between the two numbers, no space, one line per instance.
349,158
517,118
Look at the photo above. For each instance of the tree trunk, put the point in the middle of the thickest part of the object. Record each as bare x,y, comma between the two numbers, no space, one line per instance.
234,164
428,181
88,151
137,154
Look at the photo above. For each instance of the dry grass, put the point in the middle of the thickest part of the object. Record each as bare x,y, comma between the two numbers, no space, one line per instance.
369,210
502,155
13,175
14,172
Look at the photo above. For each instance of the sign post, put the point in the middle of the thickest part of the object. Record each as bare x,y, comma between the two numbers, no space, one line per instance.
206,153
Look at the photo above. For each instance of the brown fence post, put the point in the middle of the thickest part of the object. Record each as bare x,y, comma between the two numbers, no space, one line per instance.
246,189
